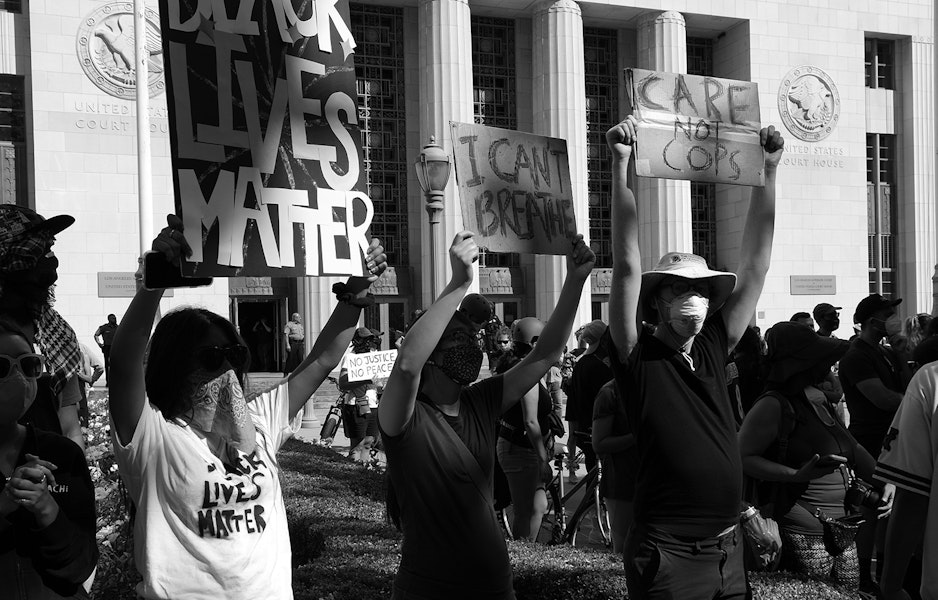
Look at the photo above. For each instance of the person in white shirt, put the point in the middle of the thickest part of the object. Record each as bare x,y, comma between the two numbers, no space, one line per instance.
197,457
910,461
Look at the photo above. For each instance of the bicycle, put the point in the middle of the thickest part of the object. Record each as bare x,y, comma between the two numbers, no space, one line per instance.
589,522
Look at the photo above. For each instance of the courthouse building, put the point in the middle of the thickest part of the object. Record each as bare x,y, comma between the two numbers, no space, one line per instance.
856,191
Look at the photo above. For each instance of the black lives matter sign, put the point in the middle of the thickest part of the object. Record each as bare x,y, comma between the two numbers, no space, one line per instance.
696,128
266,148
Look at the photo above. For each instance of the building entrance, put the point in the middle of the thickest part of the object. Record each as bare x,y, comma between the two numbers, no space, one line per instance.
261,324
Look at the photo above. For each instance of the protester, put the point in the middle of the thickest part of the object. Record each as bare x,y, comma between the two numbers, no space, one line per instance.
47,511
197,458
293,337
685,541
359,412
803,318
874,379
525,443
104,337
910,462
793,439
28,272
91,370
590,373
614,443
502,347
439,430
748,379
828,319
913,333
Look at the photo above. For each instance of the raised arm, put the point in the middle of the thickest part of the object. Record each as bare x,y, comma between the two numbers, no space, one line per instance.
126,388
756,247
523,376
336,335
400,393
626,284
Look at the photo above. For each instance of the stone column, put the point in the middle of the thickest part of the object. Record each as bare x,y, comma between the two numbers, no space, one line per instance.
560,111
664,213
316,304
445,51
917,229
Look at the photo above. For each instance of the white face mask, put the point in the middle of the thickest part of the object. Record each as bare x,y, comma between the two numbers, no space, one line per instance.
686,314
218,407
893,325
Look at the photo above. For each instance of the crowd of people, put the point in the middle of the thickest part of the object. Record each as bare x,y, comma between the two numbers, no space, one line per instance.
693,414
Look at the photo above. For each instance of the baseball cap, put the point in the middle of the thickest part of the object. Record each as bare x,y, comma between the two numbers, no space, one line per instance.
823,309
594,330
871,305
363,333
25,236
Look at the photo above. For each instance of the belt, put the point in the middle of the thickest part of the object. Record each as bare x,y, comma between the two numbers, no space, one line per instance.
513,434
726,539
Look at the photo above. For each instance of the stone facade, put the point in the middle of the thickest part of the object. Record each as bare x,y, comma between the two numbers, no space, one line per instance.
81,148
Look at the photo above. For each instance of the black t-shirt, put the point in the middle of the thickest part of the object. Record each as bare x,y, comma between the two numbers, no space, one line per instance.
864,361
107,332
453,546
689,479
65,553
590,374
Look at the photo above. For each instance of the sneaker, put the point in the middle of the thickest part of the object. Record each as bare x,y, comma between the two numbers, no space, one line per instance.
869,590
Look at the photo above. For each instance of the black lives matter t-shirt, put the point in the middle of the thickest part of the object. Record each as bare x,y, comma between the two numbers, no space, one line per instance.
689,479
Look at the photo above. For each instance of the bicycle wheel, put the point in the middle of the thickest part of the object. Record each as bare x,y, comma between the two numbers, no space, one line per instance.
589,527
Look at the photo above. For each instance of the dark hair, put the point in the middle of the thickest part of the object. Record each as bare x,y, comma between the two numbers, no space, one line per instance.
800,315
11,327
171,359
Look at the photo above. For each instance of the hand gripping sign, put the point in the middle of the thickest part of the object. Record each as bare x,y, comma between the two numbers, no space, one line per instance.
696,128
514,189
265,138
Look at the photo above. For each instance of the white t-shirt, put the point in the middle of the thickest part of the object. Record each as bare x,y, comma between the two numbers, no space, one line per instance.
201,532
910,460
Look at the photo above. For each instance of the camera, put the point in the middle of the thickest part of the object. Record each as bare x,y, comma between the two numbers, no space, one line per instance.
862,494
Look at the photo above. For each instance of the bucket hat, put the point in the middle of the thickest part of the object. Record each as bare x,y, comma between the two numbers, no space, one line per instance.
794,348
688,266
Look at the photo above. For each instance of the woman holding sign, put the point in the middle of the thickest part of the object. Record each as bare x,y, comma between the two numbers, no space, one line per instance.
197,457
440,428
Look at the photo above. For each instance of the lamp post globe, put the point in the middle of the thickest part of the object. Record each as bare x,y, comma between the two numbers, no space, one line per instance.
433,169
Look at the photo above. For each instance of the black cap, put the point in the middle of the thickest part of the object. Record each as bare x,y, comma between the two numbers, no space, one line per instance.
823,309
871,305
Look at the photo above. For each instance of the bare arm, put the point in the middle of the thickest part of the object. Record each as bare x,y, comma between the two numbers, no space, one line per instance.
98,338
400,393
335,336
881,396
759,430
68,412
626,266
549,346
533,429
604,442
756,247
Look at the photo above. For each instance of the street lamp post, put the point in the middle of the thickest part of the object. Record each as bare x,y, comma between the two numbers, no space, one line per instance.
433,174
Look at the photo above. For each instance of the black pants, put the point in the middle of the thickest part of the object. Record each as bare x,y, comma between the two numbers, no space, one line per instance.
106,351
660,566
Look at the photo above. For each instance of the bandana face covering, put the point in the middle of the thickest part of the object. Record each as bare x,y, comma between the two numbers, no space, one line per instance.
461,363
687,313
218,407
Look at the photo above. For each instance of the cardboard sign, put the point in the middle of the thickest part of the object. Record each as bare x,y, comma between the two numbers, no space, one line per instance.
696,128
370,365
266,149
514,189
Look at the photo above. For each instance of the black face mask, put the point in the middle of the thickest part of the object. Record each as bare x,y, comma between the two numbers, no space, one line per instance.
461,363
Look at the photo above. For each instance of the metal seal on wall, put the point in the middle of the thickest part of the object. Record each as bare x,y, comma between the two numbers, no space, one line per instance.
105,48
808,103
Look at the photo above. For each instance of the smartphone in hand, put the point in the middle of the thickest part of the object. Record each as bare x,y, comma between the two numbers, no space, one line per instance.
159,273
831,460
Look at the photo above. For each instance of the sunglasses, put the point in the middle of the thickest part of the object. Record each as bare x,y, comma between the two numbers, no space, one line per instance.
30,365
211,358
504,342
679,287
